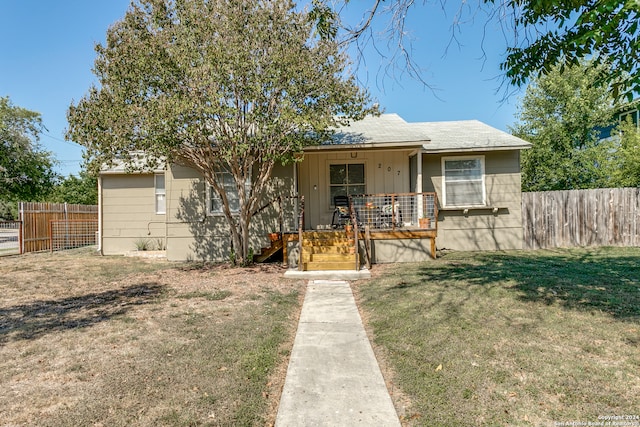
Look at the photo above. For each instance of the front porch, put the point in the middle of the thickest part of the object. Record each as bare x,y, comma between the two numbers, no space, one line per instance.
371,228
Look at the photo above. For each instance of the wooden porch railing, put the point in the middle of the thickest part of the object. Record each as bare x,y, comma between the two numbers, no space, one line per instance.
300,232
354,221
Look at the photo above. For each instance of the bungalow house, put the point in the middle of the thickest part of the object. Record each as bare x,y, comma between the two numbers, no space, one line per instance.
382,174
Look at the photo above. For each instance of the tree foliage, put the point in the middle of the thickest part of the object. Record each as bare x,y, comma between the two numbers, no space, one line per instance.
218,85
560,115
561,32
540,34
625,167
25,169
81,190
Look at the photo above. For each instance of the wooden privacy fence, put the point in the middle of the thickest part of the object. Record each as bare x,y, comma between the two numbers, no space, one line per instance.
37,219
599,217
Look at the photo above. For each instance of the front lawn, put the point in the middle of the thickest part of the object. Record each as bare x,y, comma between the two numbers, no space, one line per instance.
511,338
87,340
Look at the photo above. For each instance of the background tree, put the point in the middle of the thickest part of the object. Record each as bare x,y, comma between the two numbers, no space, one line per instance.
82,189
560,115
539,35
625,170
26,171
221,86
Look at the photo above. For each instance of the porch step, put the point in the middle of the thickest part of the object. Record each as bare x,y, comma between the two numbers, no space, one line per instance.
267,253
334,249
328,257
325,234
329,242
328,250
322,266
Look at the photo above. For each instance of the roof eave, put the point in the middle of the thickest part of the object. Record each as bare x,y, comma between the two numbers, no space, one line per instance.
432,150
369,146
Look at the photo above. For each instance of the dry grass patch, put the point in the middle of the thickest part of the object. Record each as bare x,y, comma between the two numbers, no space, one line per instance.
113,341
518,338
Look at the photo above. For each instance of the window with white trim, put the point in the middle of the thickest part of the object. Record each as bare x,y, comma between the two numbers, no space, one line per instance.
346,179
161,194
225,178
463,181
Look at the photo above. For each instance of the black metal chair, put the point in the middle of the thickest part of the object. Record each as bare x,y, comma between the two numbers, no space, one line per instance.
341,214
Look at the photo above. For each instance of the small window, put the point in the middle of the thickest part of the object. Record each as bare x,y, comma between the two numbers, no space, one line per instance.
463,181
229,185
346,179
161,195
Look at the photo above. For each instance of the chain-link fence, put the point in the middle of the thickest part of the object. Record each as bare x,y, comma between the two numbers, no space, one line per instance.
9,237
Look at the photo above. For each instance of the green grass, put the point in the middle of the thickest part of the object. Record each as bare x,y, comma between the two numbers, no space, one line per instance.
515,338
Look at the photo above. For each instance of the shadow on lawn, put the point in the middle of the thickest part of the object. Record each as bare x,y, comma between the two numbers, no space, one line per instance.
594,280
31,321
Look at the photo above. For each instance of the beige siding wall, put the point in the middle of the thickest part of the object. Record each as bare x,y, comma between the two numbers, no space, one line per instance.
128,205
193,234
128,215
481,229
128,212
385,172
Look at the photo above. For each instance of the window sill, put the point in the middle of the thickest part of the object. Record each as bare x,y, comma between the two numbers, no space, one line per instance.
466,209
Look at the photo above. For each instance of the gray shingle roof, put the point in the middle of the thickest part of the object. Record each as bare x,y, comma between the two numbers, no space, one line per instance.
467,135
383,129
435,137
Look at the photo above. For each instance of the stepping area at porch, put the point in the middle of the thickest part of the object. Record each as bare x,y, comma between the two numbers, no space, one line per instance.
333,378
358,223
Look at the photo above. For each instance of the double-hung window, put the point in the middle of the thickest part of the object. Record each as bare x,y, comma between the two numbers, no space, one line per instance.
346,179
463,181
225,178
161,194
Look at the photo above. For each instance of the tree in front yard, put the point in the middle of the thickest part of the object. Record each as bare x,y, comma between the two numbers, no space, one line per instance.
227,87
560,115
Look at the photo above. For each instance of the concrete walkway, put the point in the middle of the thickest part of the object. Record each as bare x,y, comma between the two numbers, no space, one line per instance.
333,377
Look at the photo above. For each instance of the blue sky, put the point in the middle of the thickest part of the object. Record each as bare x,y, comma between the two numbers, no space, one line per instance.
47,53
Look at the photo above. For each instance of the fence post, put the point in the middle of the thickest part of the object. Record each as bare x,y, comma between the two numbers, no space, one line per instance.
66,227
21,233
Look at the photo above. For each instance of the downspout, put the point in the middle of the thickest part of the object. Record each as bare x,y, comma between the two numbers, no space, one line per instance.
168,183
295,187
419,182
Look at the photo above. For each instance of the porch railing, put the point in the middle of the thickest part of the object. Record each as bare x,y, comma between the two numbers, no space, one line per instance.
386,211
300,231
396,210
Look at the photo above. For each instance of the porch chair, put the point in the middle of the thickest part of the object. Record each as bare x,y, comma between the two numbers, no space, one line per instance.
390,214
340,212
